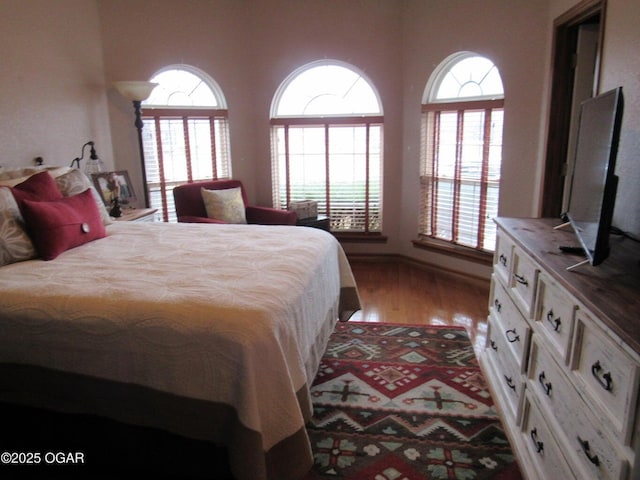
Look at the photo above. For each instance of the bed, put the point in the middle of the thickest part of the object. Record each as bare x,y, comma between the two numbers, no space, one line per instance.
210,332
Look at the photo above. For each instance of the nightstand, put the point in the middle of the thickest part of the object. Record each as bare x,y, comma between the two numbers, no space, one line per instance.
137,215
321,221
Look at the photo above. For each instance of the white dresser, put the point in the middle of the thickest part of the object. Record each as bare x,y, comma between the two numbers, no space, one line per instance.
563,353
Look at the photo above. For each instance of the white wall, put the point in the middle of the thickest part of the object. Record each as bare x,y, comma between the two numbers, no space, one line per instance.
515,36
621,67
52,98
365,34
250,48
141,37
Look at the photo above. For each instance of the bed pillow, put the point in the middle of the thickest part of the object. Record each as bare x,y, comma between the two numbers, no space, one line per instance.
225,205
15,244
59,225
40,186
11,176
74,182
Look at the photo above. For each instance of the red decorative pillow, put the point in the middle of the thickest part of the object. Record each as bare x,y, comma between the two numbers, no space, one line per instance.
59,225
41,186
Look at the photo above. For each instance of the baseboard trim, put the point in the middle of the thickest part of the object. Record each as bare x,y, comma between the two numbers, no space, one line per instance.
420,264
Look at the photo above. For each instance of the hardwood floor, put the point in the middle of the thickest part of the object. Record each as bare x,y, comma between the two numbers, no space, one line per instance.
396,292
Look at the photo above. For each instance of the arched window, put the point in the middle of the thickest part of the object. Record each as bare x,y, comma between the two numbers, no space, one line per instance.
186,135
326,123
462,117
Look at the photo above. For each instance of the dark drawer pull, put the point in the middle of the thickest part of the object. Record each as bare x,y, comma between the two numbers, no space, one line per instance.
605,379
554,322
515,338
539,445
546,386
521,280
498,305
585,448
503,260
510,383
494,346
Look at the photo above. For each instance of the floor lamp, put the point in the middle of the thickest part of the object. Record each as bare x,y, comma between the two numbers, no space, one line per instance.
137,92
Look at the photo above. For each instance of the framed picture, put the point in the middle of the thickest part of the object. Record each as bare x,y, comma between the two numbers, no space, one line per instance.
111,185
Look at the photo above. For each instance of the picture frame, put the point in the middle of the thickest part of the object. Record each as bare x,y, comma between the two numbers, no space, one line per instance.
114,184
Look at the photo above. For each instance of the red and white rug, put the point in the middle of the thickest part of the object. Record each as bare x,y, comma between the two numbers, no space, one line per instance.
402,402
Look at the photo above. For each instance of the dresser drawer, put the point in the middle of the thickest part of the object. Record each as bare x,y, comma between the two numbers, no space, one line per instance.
546,380
502,257
596,454
542,446
554,316
524,276
513,326
591,448
509,377
607,375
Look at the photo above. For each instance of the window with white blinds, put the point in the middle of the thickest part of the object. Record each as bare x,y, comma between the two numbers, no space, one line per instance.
185,135
327,139
461,154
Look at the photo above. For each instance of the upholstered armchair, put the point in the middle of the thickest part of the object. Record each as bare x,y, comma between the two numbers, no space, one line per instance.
190,205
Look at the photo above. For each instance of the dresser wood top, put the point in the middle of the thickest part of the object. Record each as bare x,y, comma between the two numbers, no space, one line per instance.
611,290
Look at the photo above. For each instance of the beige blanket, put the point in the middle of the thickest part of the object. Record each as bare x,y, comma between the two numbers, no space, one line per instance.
225,314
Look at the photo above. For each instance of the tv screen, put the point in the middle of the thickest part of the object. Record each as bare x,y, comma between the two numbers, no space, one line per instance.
594,184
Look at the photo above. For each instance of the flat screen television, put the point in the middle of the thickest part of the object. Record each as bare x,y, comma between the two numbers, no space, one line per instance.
594,184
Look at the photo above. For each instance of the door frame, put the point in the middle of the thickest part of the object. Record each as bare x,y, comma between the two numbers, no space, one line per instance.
565,36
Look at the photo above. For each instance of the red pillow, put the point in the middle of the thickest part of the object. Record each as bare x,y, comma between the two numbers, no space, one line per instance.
41,186
59,225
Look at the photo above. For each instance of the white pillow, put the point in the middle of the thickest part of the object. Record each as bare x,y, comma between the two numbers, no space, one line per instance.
12,176
225,205
74,182
15,244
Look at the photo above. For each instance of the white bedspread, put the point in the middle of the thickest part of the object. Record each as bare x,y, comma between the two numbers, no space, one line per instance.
220,313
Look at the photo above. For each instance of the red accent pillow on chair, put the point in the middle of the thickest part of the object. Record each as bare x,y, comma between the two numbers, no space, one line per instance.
59,225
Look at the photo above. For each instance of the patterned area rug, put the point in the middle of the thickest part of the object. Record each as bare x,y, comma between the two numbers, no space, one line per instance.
398,402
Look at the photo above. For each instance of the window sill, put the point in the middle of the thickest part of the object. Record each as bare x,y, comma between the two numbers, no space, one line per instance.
452,250
350,237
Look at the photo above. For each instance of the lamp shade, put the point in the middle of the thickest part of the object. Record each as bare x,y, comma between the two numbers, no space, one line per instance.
135,90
